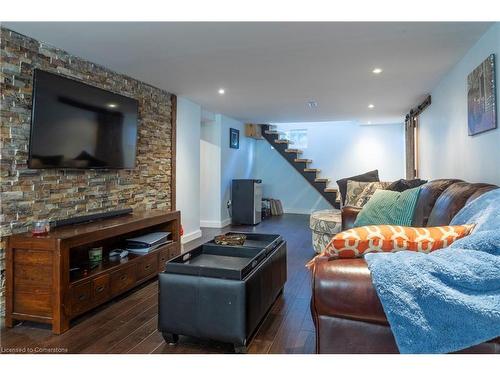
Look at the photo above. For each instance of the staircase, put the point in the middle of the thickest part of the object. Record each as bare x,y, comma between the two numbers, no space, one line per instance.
293,156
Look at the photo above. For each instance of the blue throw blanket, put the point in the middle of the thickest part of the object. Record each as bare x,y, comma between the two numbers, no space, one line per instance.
450,299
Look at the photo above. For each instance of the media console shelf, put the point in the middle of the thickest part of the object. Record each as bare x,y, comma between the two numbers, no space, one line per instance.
40,286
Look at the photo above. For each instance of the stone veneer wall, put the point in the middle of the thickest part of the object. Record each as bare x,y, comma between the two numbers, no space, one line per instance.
28,195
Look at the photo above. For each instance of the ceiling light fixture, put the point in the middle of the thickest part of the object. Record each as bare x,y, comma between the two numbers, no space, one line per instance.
222,91
371,106
377,71
112,105
312,104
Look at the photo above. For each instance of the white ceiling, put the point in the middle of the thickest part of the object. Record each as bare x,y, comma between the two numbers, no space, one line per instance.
270,70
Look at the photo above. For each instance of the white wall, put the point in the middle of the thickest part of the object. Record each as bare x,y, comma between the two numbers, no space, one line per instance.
339,149
220,164
210,178
345,148
235,163
446,150
188,167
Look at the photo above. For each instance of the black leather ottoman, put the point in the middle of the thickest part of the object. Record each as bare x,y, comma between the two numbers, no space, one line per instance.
222,292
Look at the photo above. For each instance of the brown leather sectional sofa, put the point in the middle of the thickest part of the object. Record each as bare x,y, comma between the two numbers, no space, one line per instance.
346,310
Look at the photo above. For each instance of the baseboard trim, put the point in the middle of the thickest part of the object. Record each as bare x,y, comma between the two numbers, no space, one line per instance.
297,211
191,236
303,211
215,223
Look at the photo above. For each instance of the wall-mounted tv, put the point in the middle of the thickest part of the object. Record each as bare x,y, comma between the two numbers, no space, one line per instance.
74,125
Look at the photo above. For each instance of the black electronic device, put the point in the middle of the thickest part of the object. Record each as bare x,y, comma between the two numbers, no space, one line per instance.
75,125
89,218
246,201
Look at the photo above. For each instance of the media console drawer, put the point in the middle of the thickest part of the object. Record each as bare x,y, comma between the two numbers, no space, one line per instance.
146,266
122,279
81,297
163,257
173,251
166,253
84,296
100,288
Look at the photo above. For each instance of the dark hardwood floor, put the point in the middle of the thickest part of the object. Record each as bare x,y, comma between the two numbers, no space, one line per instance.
128,324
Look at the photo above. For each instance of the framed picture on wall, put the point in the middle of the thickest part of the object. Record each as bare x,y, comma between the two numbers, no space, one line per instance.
481,98
234,138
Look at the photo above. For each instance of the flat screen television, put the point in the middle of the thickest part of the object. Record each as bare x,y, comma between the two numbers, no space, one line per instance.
74,125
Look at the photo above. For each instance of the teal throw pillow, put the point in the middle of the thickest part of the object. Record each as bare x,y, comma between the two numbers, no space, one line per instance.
389,207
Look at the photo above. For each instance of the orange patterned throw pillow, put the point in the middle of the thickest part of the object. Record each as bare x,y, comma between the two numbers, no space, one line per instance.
356,242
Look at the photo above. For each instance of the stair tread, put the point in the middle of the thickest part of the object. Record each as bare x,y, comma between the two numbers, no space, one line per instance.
311,170
293,150
286,141
273,132
303,160
321,180
331,190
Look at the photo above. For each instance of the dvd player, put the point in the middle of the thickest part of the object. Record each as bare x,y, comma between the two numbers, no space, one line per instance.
148,241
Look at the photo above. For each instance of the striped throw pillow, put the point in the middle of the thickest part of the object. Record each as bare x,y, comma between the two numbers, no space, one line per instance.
389,207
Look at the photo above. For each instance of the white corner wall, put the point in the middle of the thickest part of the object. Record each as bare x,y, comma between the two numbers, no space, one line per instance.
235,163
220,164
210,177
188,167
339,149
446,150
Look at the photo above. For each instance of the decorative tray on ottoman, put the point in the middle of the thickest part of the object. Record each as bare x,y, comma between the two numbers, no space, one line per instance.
230,239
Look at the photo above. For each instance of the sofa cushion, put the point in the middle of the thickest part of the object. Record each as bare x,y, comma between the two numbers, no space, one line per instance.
357,242
479,192
451,201
389,207
366,177
354,190
429,193
402,184
368,192
483,211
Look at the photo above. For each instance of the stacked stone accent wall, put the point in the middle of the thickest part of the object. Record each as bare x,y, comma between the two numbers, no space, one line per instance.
27,195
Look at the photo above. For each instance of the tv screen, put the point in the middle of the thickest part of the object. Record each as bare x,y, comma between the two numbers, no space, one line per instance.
74,125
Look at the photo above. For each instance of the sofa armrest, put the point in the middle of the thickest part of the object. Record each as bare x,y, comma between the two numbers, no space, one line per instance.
349,214
343,288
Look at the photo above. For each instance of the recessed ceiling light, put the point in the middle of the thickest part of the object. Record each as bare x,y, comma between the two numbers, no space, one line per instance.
312,103
222,91
112,105
371,106
369,122
377,71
